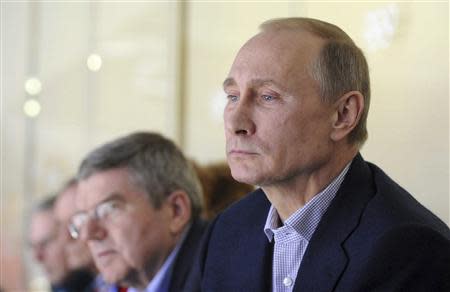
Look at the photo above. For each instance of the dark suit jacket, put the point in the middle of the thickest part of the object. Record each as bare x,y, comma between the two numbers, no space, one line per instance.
186,256
82,280
373,237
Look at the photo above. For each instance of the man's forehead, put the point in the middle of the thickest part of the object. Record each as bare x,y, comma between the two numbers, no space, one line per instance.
101,186
70,191
280,58
65,204
42,223
282,45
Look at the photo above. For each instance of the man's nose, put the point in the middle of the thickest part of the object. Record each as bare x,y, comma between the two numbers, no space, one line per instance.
238,116
92,230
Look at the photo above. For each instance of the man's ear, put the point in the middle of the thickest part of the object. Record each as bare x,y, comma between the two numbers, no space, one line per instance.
179,206
349,109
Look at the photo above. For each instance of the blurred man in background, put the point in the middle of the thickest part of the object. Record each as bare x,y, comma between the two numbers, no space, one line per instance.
139,203
48,249
81,269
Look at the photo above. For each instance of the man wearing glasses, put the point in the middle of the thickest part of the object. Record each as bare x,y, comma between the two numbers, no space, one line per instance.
78,257
139,202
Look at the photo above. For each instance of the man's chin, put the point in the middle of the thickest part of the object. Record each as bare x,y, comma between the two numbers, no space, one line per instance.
245,176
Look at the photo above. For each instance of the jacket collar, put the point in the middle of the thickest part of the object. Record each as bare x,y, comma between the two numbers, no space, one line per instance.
186,255
325,258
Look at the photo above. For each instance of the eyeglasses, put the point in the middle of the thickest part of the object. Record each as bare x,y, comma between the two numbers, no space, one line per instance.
104,211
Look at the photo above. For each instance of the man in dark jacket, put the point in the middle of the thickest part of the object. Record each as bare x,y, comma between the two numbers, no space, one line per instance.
324,219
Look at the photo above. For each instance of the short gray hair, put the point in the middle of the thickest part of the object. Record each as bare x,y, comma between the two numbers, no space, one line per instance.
154,163
46,204
340,67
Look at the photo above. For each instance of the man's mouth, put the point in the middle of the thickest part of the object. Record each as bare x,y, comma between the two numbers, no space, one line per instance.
240,152
104,254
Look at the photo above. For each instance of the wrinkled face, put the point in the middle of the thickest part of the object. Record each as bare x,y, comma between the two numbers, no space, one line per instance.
77,252
48,249
134,238
276,126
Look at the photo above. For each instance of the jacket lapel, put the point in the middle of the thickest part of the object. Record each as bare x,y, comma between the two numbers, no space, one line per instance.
325,260
256,252
239,234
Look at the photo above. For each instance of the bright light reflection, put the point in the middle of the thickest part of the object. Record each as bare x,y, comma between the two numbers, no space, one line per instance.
32,108
217,105
33,86
94,62
381,27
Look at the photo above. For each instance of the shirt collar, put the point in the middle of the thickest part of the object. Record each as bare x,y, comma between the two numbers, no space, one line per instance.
305,220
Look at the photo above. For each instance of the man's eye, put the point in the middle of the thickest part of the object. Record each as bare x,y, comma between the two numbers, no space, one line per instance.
267,97
107,208
232,98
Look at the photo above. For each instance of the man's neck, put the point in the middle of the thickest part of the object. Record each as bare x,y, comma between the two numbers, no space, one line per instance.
290,195
140,280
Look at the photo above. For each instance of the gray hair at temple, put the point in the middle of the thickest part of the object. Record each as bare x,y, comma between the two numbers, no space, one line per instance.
340,68
46,204
155,164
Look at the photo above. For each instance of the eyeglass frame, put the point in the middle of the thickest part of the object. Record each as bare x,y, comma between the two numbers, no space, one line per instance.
111,204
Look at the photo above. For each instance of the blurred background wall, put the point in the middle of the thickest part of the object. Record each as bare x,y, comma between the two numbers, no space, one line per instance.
77,74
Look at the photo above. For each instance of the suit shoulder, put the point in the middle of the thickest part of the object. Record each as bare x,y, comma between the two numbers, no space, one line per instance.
393,206
409,257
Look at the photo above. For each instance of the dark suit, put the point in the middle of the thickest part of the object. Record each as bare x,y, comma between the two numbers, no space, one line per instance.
186,256
373,237
81,280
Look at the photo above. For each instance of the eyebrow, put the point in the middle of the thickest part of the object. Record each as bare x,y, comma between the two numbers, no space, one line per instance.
255,82
228,82
111,197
